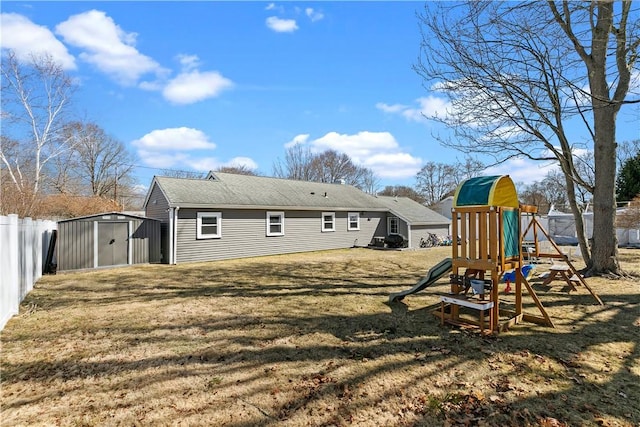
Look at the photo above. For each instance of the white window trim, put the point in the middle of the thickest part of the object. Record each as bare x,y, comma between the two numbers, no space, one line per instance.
218,216
333,222
389,224
349,227
281,215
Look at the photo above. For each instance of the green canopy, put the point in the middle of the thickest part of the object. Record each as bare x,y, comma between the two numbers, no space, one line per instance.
487,191
494,191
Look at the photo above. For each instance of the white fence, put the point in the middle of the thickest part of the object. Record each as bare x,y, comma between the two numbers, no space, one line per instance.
23,250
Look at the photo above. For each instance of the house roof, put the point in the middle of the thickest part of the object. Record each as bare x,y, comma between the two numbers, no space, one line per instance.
226,190
412,211
245,191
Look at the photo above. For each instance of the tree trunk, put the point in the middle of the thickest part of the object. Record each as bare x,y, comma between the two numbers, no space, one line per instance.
604,252
578,219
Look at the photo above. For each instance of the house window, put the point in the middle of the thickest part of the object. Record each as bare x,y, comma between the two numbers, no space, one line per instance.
209,225
275,223
354,221
328,221
394,225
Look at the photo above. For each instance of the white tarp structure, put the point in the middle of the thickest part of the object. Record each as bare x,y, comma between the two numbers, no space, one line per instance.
562,229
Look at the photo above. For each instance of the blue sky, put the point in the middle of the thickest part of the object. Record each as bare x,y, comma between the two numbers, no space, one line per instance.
198,85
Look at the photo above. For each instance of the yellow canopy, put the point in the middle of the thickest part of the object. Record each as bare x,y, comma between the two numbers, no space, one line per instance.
486,191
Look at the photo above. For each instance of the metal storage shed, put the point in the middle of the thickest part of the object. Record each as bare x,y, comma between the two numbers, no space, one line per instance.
107,239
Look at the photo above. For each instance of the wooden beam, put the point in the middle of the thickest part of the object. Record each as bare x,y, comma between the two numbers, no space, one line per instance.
526,317
548,320
473,235
511,322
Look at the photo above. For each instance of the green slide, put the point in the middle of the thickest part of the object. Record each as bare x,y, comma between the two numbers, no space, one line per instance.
436,272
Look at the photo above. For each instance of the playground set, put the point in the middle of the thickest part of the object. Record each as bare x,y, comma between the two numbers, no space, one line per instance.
488,218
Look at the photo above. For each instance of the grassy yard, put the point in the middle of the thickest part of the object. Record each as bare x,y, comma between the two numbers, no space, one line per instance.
309,339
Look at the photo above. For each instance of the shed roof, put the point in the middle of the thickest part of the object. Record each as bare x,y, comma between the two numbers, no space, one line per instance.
98,215
412,211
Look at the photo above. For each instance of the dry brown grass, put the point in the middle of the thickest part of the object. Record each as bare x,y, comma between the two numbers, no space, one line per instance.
308,339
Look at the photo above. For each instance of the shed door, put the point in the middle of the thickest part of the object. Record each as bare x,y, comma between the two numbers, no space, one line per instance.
113,243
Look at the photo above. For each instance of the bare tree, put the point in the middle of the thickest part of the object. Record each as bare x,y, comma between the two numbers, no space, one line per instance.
469,168
238,170
514,77
331,166
585,167
549,192
174,173
402,191
328,166
35,103
630,217
435,181
627,150
370,181
296,164
534,195
97,165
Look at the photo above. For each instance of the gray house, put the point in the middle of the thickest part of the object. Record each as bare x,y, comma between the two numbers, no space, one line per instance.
232,216
413,220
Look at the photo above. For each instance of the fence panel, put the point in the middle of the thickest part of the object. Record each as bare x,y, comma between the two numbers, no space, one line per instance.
23,249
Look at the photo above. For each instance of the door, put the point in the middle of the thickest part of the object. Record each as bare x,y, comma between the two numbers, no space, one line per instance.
113,243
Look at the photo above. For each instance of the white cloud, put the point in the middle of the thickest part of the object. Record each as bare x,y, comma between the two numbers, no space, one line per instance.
247,162
107,46
298,139
358,146
378,151
202,163
280,25
194,86
522,170
162,160
430,106
395,108
190,85
273,6
183,149
174,139
313,14
25,38
394,165
213,163
188,62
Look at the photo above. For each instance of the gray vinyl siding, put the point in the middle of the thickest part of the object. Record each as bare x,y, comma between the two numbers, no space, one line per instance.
402,226
157,206
244,234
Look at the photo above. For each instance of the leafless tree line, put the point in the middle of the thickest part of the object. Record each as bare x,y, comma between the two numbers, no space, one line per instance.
44,153
328,166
